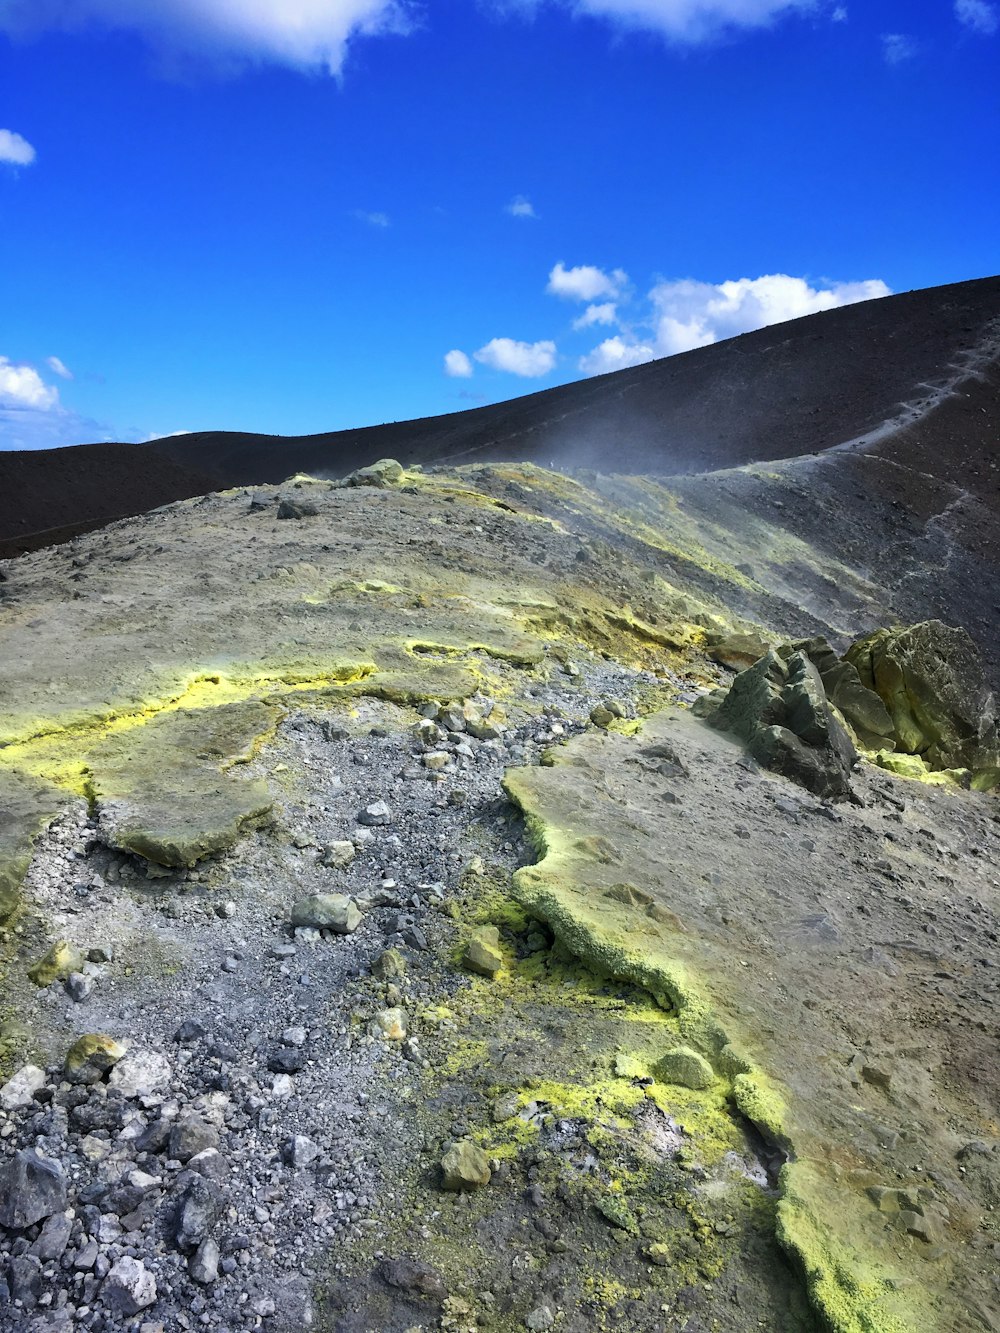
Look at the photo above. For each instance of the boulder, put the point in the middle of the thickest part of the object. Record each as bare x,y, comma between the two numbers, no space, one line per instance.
386,472
686,1067
60,961
129,1287
464,1167
931,680
482,953
20,1090
327,911
140,1073
199,1207
32,1187
91,1057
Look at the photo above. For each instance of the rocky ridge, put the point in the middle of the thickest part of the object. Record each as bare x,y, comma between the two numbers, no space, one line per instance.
362,1063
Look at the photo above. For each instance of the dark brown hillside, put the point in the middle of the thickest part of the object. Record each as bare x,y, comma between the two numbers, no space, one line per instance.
877,372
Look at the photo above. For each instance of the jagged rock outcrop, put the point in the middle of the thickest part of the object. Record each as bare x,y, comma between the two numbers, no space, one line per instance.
931,680
780,709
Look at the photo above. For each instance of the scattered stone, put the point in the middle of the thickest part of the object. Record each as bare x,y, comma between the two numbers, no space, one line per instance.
200,1206
294,1036
92,1056
32,1187
140,1073
389,965
328,911
204,1263
539,1319
687,1068
301,1151
78,986
390,1024
62,959
190,1030
20,1090
286,1060
482,953
191,1135
659,1254
375,814
339,855
296,509
413,1276
53,1237
464,1167
129,1287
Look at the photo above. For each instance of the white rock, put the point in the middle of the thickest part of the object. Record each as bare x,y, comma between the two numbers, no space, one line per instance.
129,1287
282,1086
20,1090
140,1073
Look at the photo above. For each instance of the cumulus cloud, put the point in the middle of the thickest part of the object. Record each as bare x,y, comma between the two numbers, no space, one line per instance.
378,220
607,313
585,282
686,314
978,15
304,33
839,15
59,367
457,364
520,207
616,354
529,360
897,48
22,386
13,147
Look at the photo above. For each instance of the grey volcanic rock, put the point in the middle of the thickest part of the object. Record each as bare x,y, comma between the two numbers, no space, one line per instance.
931,680
31,1188
199,1208
781,711
129,1287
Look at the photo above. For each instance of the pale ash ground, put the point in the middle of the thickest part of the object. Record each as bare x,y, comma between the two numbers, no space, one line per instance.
847,956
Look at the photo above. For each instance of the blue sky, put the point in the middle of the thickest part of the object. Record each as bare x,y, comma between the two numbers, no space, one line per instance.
302,215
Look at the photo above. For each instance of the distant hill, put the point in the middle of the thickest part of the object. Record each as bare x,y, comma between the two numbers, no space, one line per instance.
877,371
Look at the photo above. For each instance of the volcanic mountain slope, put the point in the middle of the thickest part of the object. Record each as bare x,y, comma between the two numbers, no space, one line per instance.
389,944
885,374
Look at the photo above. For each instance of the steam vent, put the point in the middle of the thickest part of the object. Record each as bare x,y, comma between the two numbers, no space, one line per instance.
537,868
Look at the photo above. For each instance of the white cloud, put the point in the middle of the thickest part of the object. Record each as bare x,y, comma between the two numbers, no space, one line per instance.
585,282
616,354
597,314
978,15
379,220
687,314
520,207
14,148
22,386
457,365
305,33
839,15
693,21
897,48
517,358
59,367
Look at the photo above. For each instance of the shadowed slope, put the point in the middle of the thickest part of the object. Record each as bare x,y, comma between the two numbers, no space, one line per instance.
881,372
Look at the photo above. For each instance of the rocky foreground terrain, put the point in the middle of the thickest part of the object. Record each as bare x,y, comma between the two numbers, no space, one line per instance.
483,898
